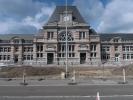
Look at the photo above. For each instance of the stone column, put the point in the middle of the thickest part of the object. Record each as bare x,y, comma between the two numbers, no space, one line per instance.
44,54
112,53
12,53
20,54
98,51
121,52
77,54
34,53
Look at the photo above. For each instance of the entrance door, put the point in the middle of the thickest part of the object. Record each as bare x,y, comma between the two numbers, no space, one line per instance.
116,57
16,59
50,58
82,58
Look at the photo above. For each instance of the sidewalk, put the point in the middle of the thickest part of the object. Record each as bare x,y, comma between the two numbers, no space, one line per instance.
65,82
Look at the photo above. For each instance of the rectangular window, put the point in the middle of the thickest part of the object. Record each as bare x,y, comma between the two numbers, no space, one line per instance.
50,35
127,48
63,54
40,47
72,47
124,56
93,47
82,35
24,57
5,49
116,48
93,54
124,48
71,55
105,56
16,49
39,55
0,57
8,57
131,56
131,48
31,57
9,49
128,56
4,58
1,49
28,57
105,48
59,55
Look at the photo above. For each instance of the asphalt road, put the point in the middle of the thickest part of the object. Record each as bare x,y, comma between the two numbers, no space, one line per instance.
107,92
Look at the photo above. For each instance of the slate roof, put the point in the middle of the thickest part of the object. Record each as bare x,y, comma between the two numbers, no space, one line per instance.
108,37
22,36
60,9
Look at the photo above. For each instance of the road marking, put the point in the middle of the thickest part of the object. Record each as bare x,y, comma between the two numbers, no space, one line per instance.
28,97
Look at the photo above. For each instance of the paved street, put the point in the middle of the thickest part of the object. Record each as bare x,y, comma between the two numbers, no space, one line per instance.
85,89
107,92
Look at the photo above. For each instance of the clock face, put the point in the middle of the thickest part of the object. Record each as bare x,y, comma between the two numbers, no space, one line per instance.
66,18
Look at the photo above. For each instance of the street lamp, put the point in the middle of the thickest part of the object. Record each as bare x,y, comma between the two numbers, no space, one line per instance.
66,69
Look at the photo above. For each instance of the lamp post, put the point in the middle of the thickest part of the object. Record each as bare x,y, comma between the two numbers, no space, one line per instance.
66,69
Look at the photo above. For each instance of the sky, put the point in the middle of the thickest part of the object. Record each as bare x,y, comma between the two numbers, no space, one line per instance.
28,16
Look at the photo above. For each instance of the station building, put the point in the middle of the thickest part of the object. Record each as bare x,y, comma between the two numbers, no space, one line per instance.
85,47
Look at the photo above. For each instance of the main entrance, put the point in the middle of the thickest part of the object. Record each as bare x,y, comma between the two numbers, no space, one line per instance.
82,58
50,58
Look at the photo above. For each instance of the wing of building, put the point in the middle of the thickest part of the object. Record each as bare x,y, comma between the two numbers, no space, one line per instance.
48,47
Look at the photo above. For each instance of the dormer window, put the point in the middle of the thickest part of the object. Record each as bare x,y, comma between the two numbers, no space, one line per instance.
16,41
115,40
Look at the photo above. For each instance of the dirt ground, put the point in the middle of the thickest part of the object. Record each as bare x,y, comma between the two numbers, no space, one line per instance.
80,71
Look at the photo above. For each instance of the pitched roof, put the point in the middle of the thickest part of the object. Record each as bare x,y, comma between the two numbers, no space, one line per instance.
108,37
60,9
22,36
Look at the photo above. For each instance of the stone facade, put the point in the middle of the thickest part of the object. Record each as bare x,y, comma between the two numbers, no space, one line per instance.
48,47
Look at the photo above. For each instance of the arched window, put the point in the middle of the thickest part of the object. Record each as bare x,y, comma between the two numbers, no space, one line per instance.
62,36
62,45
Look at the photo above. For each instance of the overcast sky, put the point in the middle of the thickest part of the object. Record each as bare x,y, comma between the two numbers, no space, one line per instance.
27,16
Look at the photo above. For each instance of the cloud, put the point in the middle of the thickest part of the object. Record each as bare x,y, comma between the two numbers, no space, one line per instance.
107,16
91,10
117,17
23,16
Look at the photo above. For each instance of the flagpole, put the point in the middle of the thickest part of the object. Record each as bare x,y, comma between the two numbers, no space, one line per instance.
66,43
